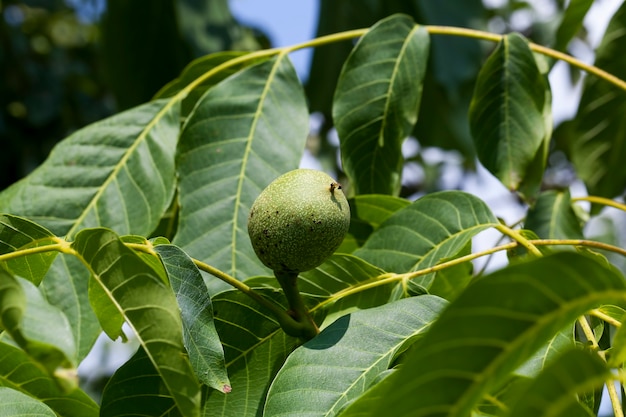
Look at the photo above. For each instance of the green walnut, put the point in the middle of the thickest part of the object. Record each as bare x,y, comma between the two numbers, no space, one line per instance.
298,221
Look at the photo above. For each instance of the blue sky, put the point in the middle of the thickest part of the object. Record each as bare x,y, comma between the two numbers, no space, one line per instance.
285,22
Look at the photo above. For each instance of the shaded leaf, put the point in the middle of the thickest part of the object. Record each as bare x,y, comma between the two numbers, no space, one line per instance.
435,227
44,332
325,373
66,287
244,133
377,100
135,389
488,331
507,113
559,343
140,296
554,391
17,234
597,147
16,404
33,380
450,282
199,334
117,173
254,347
367,212
552,217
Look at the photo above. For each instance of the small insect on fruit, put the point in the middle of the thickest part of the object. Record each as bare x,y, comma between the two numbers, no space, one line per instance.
298,221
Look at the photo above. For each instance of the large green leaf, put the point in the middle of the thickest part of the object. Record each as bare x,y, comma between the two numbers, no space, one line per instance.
243,133
17,234
199,334
142,298
552,217
16,404
555,391
33,380
324,374
254,347
488,331
508,112
435,227
598,146
116,173
377,101
135,389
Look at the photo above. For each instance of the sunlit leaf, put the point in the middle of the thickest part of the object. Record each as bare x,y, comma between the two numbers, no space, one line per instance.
435,227
33,380
244,133
598,147
16,404
200,336
17,234
337,366
117,173
559,343
142,298
488,331
377,101
507,113
555,391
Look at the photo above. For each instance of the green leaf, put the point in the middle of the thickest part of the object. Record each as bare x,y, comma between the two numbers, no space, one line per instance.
140,296
507,114
135,389
321,376
198,68
571,23
435,227
552,217
367,212
243,133
555,391
617,355
12,303
199,334
33,380
66,287
18,234
559,343
496,324
254,347
117,173
450,282
377,101
16,404
597,148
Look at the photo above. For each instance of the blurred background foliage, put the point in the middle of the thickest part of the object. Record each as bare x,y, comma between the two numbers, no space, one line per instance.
67,63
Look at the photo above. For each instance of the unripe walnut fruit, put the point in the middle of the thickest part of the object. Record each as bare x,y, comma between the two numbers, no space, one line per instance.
298,221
